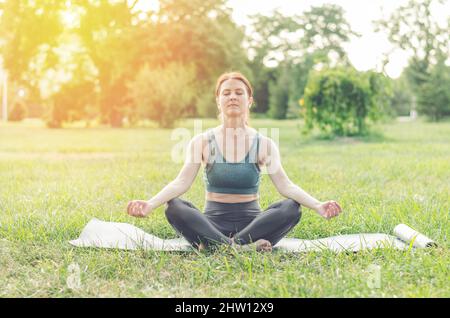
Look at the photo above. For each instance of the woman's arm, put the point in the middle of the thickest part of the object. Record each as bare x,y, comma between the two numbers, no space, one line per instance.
290,190
175,188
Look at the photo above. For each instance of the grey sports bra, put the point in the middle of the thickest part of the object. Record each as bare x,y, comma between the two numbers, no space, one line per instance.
232,177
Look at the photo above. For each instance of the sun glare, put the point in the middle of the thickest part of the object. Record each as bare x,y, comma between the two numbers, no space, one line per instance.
147,5
70,18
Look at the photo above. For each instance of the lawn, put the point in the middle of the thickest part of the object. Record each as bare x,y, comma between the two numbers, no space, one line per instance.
52,182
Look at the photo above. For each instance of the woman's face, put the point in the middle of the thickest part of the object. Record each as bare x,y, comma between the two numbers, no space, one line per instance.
233,99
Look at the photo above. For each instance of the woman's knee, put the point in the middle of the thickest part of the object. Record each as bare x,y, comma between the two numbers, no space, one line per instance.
291,209
179,209
173,208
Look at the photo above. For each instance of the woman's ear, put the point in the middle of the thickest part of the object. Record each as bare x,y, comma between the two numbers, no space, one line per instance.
250,101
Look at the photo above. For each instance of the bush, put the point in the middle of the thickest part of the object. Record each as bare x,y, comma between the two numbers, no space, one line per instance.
164,94
343,102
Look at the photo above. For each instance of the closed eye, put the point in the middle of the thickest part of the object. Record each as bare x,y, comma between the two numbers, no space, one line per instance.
238,92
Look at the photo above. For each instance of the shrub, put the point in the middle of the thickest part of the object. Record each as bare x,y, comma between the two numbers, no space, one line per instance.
343,102
164,94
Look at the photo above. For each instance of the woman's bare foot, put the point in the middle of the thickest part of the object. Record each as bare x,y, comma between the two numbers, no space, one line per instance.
263,246
260,245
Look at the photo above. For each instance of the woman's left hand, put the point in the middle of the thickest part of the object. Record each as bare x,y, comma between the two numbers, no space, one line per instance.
328,209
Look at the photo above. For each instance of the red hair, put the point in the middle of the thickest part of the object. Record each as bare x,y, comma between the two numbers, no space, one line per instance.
238,76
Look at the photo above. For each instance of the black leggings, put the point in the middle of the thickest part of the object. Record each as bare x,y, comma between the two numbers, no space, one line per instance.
243,221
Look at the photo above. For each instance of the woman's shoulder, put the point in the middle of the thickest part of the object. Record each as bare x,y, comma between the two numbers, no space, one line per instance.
264,139
266,146
200,138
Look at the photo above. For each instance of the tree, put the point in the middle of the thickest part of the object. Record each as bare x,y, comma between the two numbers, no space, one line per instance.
70,103
109,32
292,46
299,74
402,97
326,30
29,29
413,28
281,38
163,94
47,57
201,32
272,39
434,94
381,92
55,47
343,101
18,112
279,95
262,77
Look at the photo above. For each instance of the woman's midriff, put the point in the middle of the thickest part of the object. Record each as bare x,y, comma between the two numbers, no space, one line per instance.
230,198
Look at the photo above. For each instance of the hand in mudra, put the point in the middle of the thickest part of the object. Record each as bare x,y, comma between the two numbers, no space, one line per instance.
139,208
329,209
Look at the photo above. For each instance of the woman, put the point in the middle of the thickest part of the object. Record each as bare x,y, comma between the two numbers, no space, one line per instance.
233,155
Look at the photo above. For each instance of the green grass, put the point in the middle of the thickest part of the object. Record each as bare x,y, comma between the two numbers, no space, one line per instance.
52,182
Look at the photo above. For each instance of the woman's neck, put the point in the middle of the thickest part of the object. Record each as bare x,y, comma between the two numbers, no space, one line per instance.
234,123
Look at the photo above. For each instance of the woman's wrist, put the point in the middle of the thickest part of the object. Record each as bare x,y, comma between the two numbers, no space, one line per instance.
151,204
316,206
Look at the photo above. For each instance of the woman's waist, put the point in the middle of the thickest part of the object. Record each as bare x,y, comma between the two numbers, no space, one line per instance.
231,197
216,207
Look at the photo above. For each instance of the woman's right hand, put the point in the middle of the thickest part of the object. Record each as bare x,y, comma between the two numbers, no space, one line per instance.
139,208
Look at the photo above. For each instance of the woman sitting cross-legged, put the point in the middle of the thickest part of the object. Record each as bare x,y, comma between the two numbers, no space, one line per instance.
233,154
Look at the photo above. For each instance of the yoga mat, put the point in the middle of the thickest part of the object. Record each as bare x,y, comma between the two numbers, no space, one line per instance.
103,234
